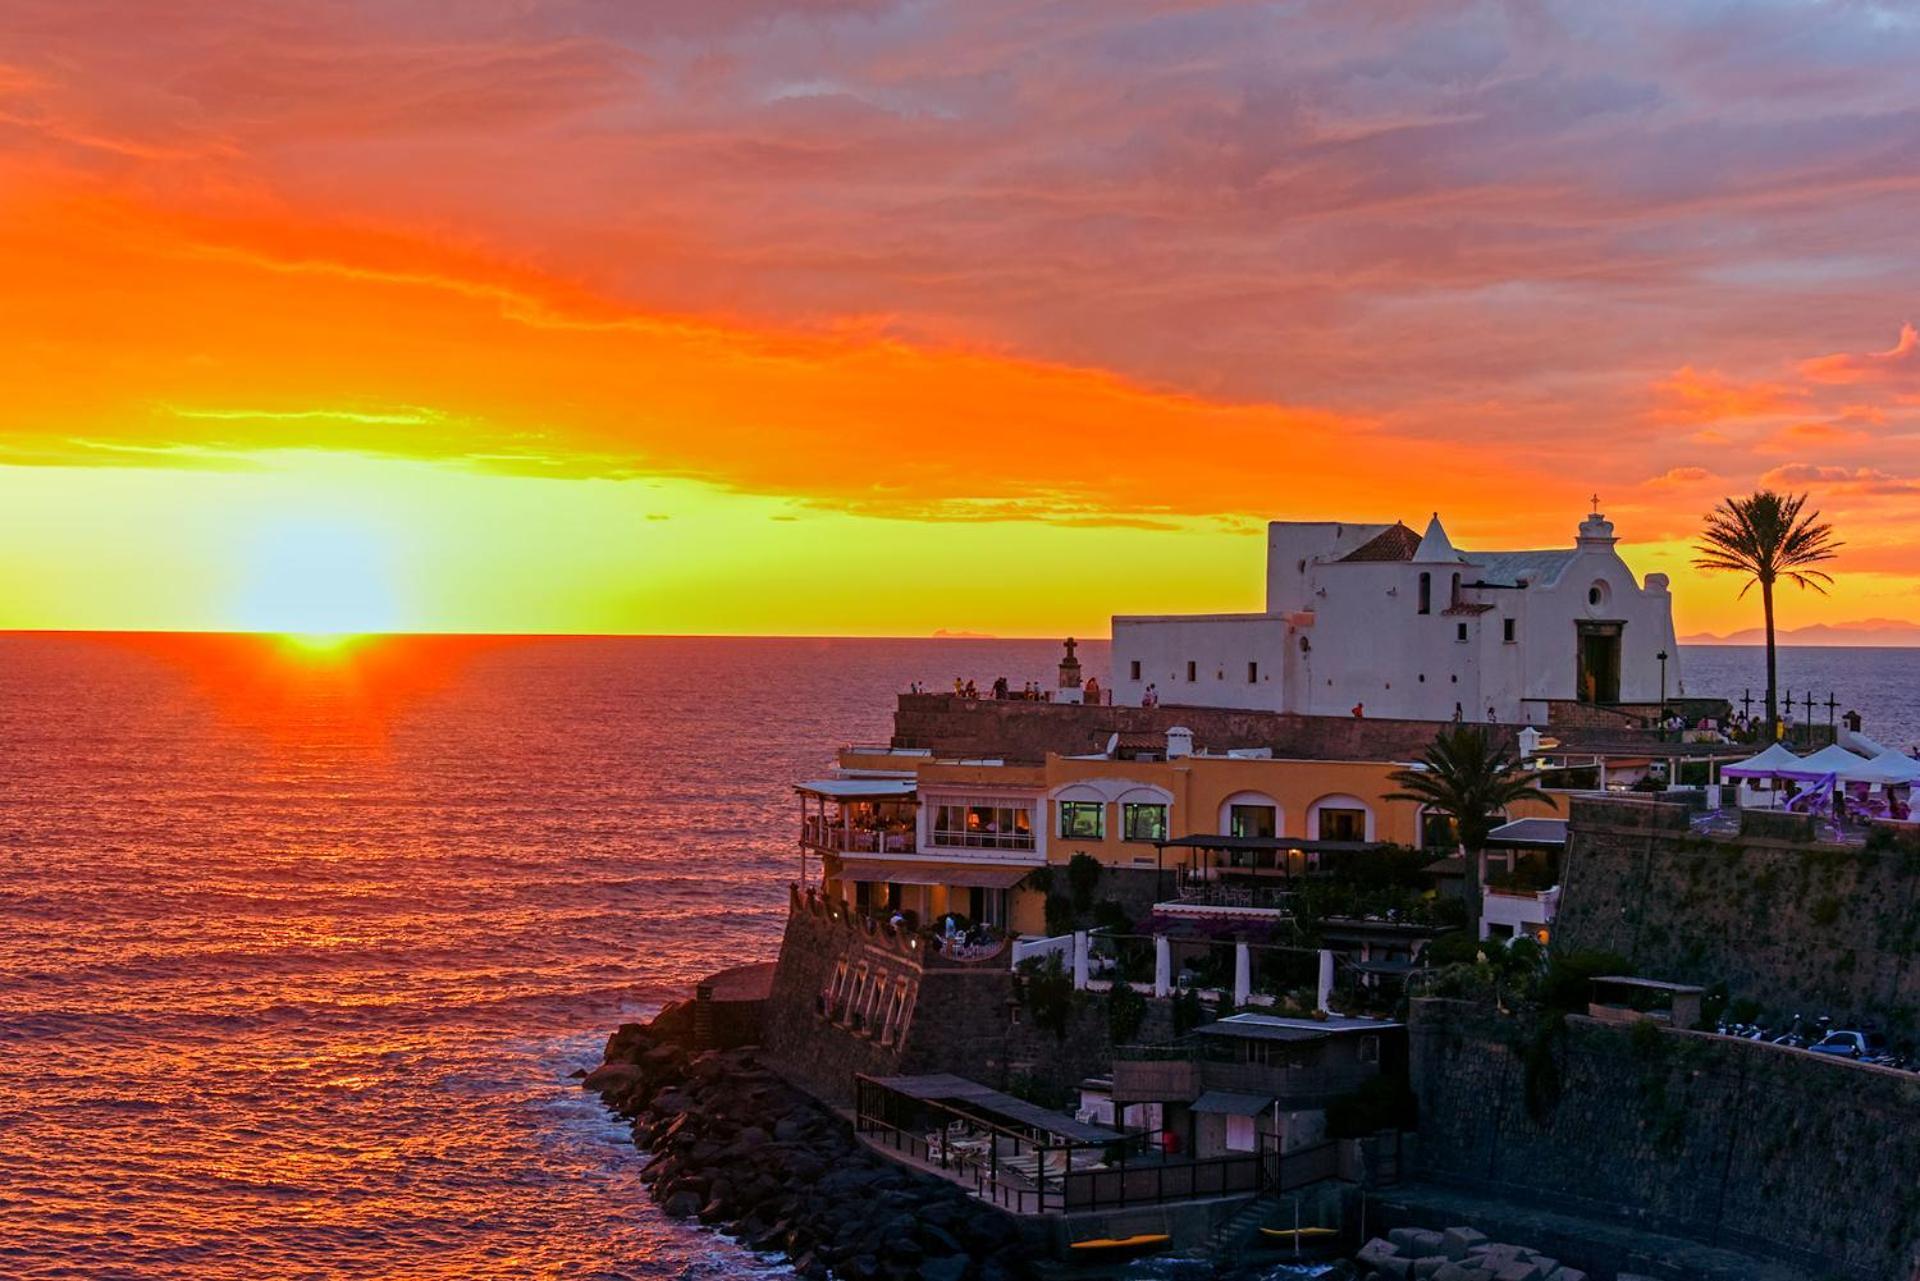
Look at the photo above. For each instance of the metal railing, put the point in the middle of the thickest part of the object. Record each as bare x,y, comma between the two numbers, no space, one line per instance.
825,834
948,838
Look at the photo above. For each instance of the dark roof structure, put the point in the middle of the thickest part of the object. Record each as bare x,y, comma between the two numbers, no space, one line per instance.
990,1104
1397,543
1529,833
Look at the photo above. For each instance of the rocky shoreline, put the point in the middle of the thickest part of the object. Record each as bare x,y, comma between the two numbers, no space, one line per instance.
736,1146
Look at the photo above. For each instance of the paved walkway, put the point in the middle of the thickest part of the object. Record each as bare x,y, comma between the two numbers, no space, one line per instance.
1602,1246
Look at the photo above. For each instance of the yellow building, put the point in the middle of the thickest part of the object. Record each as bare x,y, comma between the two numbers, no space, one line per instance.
907,832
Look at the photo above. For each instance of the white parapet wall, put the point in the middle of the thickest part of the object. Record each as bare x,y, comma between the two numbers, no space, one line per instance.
1027,948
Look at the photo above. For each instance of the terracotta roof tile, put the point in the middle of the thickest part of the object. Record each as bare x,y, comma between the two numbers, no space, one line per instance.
1397,543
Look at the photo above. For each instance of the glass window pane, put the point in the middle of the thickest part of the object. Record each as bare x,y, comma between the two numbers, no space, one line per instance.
1253,821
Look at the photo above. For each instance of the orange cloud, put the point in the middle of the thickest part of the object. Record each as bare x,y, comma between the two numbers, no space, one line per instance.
1681,477
1690,395
258,330
1813,436
1898,366
1860,480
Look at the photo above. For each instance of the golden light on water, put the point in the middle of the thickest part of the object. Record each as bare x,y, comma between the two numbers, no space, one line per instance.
321,643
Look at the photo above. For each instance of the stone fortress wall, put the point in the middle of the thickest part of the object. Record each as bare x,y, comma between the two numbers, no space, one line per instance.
1798,926
959,1016
1024,731
1745,1145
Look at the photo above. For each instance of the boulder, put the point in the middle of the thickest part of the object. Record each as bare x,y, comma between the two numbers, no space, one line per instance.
1375,1253
1454,1242
951,1267
1428,1264
681,1205
1565,1273
1456,1271
609,1077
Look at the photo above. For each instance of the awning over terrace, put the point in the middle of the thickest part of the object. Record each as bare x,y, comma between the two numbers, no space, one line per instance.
990,1104
858,789
963,875
1227,1103
1529,833
1273,1027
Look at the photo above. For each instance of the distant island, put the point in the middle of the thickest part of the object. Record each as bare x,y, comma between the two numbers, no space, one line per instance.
1888,633
944,634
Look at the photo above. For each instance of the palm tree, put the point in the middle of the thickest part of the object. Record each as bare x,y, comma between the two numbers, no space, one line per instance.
1766,538
1464,776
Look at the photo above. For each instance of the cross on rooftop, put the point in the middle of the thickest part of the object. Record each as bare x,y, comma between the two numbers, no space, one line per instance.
1595,500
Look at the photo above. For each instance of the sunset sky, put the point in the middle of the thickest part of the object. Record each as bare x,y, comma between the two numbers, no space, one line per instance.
851,316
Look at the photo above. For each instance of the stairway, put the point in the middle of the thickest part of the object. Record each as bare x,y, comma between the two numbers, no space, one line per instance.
1232,1235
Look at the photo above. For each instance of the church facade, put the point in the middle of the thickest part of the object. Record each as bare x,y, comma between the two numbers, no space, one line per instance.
1406,625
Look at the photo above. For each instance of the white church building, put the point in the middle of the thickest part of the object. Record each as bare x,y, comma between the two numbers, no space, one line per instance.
1408,626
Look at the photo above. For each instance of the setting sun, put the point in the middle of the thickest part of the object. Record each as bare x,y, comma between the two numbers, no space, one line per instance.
318,582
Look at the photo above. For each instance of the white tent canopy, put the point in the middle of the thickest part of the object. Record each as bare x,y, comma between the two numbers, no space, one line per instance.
1836,762
1775,762
1893,768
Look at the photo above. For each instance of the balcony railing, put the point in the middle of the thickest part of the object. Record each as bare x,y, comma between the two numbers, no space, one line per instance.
975,840
825,834
1204,894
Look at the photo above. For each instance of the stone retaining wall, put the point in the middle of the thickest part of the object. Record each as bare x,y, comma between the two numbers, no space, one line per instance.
1024,731
1750,1146
965,1018
1797,926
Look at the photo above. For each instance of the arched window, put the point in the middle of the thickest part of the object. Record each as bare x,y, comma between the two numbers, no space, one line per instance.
1252,814
1426,593
1340,818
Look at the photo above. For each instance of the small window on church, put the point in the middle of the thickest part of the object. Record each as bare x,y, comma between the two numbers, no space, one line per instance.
1253,673
1459,631
1193,670
1426,593
1134,667
1598,593
1506,630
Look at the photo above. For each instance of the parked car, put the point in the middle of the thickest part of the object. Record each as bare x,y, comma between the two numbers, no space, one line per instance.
1852,1045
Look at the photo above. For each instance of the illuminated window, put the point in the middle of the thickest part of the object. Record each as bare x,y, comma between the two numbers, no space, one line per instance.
1083,820
1143,822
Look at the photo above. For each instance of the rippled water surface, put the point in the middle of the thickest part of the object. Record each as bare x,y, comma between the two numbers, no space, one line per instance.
297,947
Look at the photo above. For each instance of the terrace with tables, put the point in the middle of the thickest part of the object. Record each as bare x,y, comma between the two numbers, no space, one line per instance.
1027,1159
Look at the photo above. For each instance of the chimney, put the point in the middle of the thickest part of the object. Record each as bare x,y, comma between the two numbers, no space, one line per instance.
1179,742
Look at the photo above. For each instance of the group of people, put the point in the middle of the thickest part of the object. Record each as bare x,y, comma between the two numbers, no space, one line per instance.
1460,715
1003,690
1739,728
